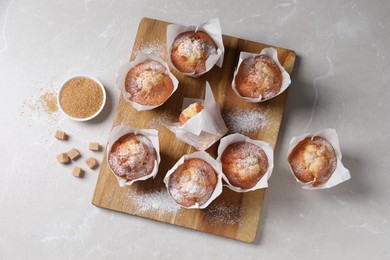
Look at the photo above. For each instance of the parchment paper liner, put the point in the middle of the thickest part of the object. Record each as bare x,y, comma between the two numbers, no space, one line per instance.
212,28
216,166
340,174
272,53
124,69
267,148
205,128
120,131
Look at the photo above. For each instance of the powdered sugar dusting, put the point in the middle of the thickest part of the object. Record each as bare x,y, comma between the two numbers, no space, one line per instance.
158,200
145,77
245,121
151,47
132,157
161,119
248,166
191,49
190,185
225,213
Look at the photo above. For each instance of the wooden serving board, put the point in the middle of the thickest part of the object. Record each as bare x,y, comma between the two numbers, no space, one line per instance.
234,215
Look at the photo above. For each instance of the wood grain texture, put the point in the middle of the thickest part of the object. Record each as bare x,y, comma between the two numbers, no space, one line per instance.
240,216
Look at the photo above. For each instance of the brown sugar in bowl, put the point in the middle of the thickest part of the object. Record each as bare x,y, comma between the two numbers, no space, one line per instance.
81,97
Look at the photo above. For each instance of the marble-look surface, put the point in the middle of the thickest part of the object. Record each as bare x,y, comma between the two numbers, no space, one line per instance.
341,81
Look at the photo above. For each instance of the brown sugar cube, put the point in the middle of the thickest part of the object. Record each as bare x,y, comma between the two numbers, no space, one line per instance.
63,158
60,135
91,162
94,146
77,172
73,154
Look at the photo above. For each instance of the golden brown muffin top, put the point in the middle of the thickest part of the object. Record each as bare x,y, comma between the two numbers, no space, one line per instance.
192,182
258,76
313,160
190,51
244,164
132,156
149,83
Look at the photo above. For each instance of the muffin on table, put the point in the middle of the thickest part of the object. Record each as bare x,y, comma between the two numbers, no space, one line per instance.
313,160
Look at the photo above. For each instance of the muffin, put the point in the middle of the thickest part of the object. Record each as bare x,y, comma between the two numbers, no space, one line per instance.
149,83
257,77
190,51
132,156
190,112
244,164
313,160
192,182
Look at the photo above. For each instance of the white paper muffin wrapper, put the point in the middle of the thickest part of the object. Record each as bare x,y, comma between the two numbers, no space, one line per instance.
212,28
267,148
205,128
340,174
272,53
124,69
216,166
120,131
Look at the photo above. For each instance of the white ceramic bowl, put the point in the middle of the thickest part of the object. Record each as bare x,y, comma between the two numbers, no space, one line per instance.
82,76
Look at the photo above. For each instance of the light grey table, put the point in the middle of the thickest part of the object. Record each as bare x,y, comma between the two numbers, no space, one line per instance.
341,81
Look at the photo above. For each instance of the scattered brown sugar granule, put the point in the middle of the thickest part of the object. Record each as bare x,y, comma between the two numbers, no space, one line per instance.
81,97
63,158
94,146
48,101
92,163
77,172
73,154
60,135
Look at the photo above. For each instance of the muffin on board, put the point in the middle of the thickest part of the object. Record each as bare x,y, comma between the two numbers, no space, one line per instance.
194,50
247,163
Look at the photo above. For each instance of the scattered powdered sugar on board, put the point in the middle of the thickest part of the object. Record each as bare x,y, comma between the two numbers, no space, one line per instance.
246,120
158,200
225,213
161,119
156,47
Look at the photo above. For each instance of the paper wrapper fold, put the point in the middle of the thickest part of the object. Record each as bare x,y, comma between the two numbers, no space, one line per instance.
212,28
122,73
216,166
205,128
272,53
267,148
340,174
120,131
